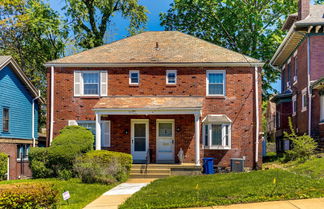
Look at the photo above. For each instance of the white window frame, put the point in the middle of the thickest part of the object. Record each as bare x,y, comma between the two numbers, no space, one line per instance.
79,122
224,81
100,83
294,103
217,147
167,77
130,80
295,70
304,93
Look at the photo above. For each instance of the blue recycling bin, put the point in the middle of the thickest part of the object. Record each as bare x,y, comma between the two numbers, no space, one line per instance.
208,165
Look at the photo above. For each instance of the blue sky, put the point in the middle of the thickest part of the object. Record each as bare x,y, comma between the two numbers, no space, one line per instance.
118,29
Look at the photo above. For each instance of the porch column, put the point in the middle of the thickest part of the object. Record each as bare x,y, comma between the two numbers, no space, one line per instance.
197,140
98,132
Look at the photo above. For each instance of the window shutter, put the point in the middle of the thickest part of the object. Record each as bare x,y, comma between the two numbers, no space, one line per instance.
77,83
103,83
105,133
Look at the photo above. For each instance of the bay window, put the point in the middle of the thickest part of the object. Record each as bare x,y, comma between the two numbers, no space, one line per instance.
217,136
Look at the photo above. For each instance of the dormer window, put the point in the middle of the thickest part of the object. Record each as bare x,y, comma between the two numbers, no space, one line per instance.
171,77
134,77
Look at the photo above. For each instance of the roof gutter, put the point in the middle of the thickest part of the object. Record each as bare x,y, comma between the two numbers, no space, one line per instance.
161,64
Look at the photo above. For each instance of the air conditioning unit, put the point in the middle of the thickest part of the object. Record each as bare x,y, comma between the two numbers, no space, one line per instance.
237,164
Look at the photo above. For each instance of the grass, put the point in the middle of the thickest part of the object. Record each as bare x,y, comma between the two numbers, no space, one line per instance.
224,189
81,194
313,168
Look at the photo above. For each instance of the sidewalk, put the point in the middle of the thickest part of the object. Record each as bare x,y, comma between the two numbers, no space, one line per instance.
317,203
116,196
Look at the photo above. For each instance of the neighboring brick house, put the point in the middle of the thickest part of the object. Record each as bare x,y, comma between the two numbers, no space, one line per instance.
300,58
163,92
19,107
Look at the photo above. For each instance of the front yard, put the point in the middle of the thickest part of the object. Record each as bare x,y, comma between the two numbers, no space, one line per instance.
224,189
81,194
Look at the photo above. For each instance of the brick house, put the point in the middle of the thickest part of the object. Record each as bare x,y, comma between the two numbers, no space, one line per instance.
300,59
19,107
157,93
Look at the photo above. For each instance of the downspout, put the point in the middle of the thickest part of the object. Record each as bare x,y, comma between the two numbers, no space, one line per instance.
8,168
256,116
308,88
52,106
33,118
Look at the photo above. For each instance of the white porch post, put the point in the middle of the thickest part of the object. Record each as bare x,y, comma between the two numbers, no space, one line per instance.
197,140
98,132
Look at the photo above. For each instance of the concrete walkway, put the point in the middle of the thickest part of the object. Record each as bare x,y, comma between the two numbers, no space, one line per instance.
117,195
317,203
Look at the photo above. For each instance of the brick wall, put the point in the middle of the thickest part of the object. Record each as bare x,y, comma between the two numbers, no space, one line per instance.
16,168
238,104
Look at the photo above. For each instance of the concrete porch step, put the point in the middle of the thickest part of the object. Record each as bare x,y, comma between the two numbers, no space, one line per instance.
150,170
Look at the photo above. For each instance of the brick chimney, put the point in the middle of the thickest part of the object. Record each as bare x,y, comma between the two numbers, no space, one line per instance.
303,9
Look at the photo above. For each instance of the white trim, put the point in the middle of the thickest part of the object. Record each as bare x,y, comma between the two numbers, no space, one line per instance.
257,125
167,77
295,53
147,133
304,93
175,111
158,121
289,60
52,106
209,146
98,130
197,139
211,115
207,81
294,100
188,64
129,77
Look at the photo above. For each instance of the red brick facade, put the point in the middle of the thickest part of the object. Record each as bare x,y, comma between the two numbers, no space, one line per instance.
17,169
238,105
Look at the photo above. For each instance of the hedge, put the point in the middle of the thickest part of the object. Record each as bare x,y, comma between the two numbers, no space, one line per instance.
103,166
3,165
28,195
57,160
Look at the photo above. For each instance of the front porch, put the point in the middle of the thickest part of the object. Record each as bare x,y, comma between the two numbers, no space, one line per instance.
152,129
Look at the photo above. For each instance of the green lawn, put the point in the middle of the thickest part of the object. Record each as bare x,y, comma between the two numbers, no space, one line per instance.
313,168
81,194
223,189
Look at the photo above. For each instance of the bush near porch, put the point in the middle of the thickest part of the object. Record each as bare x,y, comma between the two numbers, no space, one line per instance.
103,166
3,165
224,189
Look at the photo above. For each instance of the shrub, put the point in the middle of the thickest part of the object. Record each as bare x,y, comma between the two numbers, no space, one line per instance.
103,166
303,146
28,195
3,165
64,174
53,161
39,163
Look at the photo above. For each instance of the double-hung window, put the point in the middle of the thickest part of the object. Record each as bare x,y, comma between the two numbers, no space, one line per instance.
304,100
91,126
134,77
217,136
90,83
294,104
5,120
215,83
171,77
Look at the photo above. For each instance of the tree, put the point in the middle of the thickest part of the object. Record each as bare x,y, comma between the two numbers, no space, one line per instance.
319,1
250,27
90,18
33,34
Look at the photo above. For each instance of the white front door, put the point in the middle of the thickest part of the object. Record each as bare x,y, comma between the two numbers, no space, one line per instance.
139,139
165,141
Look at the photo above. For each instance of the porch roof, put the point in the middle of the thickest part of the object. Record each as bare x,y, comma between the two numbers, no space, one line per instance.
133,103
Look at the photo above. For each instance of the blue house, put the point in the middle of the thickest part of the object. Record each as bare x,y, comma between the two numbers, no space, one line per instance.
19,111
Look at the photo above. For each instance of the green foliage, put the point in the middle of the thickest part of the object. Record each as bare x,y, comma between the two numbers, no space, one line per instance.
224,189
3,165
57,160
28,195
303,146
250,27
103,166
313,167
319,1
91,18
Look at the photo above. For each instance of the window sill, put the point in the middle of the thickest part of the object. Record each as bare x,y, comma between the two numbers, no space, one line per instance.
24,160
88,97
134,84
171,84
217,148
215,97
